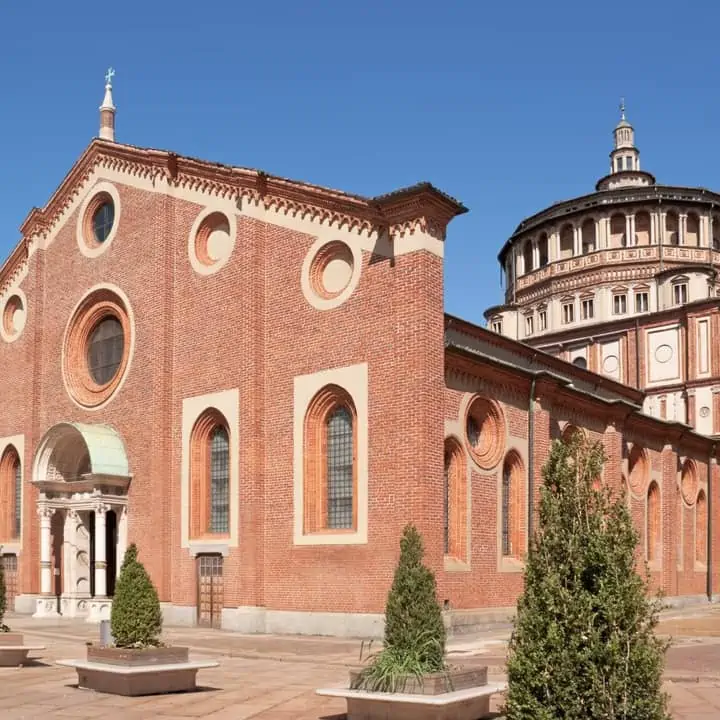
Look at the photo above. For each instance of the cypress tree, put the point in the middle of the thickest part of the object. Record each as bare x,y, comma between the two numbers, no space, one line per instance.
583,644
414,642
135,619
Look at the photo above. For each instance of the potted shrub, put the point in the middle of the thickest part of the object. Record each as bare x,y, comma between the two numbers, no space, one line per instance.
137,662
12,650
411,668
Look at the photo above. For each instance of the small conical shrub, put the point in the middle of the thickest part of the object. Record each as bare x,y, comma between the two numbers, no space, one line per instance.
135,619
3,598
414,631
583,644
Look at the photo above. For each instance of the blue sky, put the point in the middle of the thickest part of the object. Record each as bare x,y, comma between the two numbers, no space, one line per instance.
506,106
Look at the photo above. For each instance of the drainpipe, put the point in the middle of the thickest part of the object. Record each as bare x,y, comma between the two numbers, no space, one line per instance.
531,446
709,581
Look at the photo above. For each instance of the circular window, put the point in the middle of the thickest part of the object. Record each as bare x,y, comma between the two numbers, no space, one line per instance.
102,221
689,483
485,432
638,470
97,348
331,270
13,317
99,220
211,241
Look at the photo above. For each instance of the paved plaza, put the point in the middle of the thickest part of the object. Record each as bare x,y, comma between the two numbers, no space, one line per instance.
274,678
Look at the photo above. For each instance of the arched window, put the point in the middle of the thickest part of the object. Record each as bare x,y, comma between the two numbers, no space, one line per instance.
642,228
672,237
572,432
527,257
701,528
210,476
330,477
618,237
511,510
589,243
567,242
454,502
715,231
10,495
692,230
653,546
543,250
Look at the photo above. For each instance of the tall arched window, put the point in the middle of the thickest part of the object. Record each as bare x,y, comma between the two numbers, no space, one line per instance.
653,545
692,230
543,253
527,257
210,475
618,227
330,476
672,236
589,243
10,495
567,242
642,228
455,506
701,528
511,510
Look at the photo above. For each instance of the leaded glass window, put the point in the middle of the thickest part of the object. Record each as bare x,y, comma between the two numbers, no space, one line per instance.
507,477
18,498
105,350
219,481
103,221
473,431
340,469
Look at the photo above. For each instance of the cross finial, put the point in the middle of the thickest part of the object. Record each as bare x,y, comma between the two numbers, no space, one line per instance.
622,108
109,76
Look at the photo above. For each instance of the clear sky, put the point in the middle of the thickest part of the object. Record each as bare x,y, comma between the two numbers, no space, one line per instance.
506,106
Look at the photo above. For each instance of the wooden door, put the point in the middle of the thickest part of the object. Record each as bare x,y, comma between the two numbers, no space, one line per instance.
210,590
10,568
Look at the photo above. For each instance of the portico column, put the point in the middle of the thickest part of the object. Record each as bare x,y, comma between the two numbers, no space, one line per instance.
45,513
100,553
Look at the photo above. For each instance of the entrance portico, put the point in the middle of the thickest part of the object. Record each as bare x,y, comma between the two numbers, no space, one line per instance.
83,476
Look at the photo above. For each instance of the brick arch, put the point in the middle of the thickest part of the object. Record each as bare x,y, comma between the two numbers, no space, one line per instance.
10,494
570,431
689,482
653,524
512,513
638,469
210,476
701,528
455,504
329,486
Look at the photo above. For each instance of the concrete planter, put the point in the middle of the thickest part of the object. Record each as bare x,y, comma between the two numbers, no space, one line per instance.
133,672
13,651
458,694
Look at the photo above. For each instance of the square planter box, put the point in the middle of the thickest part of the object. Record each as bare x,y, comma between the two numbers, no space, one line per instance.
431,699
132,672
13,651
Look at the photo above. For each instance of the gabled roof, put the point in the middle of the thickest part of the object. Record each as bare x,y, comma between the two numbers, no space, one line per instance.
370,213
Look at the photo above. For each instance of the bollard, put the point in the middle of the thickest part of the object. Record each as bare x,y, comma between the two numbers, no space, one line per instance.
106,638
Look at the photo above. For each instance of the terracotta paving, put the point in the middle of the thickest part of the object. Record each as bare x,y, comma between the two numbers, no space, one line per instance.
274,678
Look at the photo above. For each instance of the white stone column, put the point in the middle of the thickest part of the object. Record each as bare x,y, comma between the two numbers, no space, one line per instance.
46,604
70,561
682,228
628,231
554,246
606,222
45,514
577,242
121,514
100,552
661,228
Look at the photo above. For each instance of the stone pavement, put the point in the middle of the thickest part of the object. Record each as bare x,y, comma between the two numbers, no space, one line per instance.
274,678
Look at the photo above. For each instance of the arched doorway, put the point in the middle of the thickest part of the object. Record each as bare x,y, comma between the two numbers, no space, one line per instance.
82,474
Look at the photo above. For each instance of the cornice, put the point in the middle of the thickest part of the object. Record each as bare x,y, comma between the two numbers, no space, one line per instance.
420,208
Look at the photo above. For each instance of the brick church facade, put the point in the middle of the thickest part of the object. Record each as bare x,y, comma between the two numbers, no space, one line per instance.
254,379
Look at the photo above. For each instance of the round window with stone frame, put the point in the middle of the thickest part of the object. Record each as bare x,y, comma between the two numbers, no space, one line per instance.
99,220
97,348
485,432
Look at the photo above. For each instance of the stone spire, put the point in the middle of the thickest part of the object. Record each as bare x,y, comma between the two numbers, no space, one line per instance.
107,110
624,158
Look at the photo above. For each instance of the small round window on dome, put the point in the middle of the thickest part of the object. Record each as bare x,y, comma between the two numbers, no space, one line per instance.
102,221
